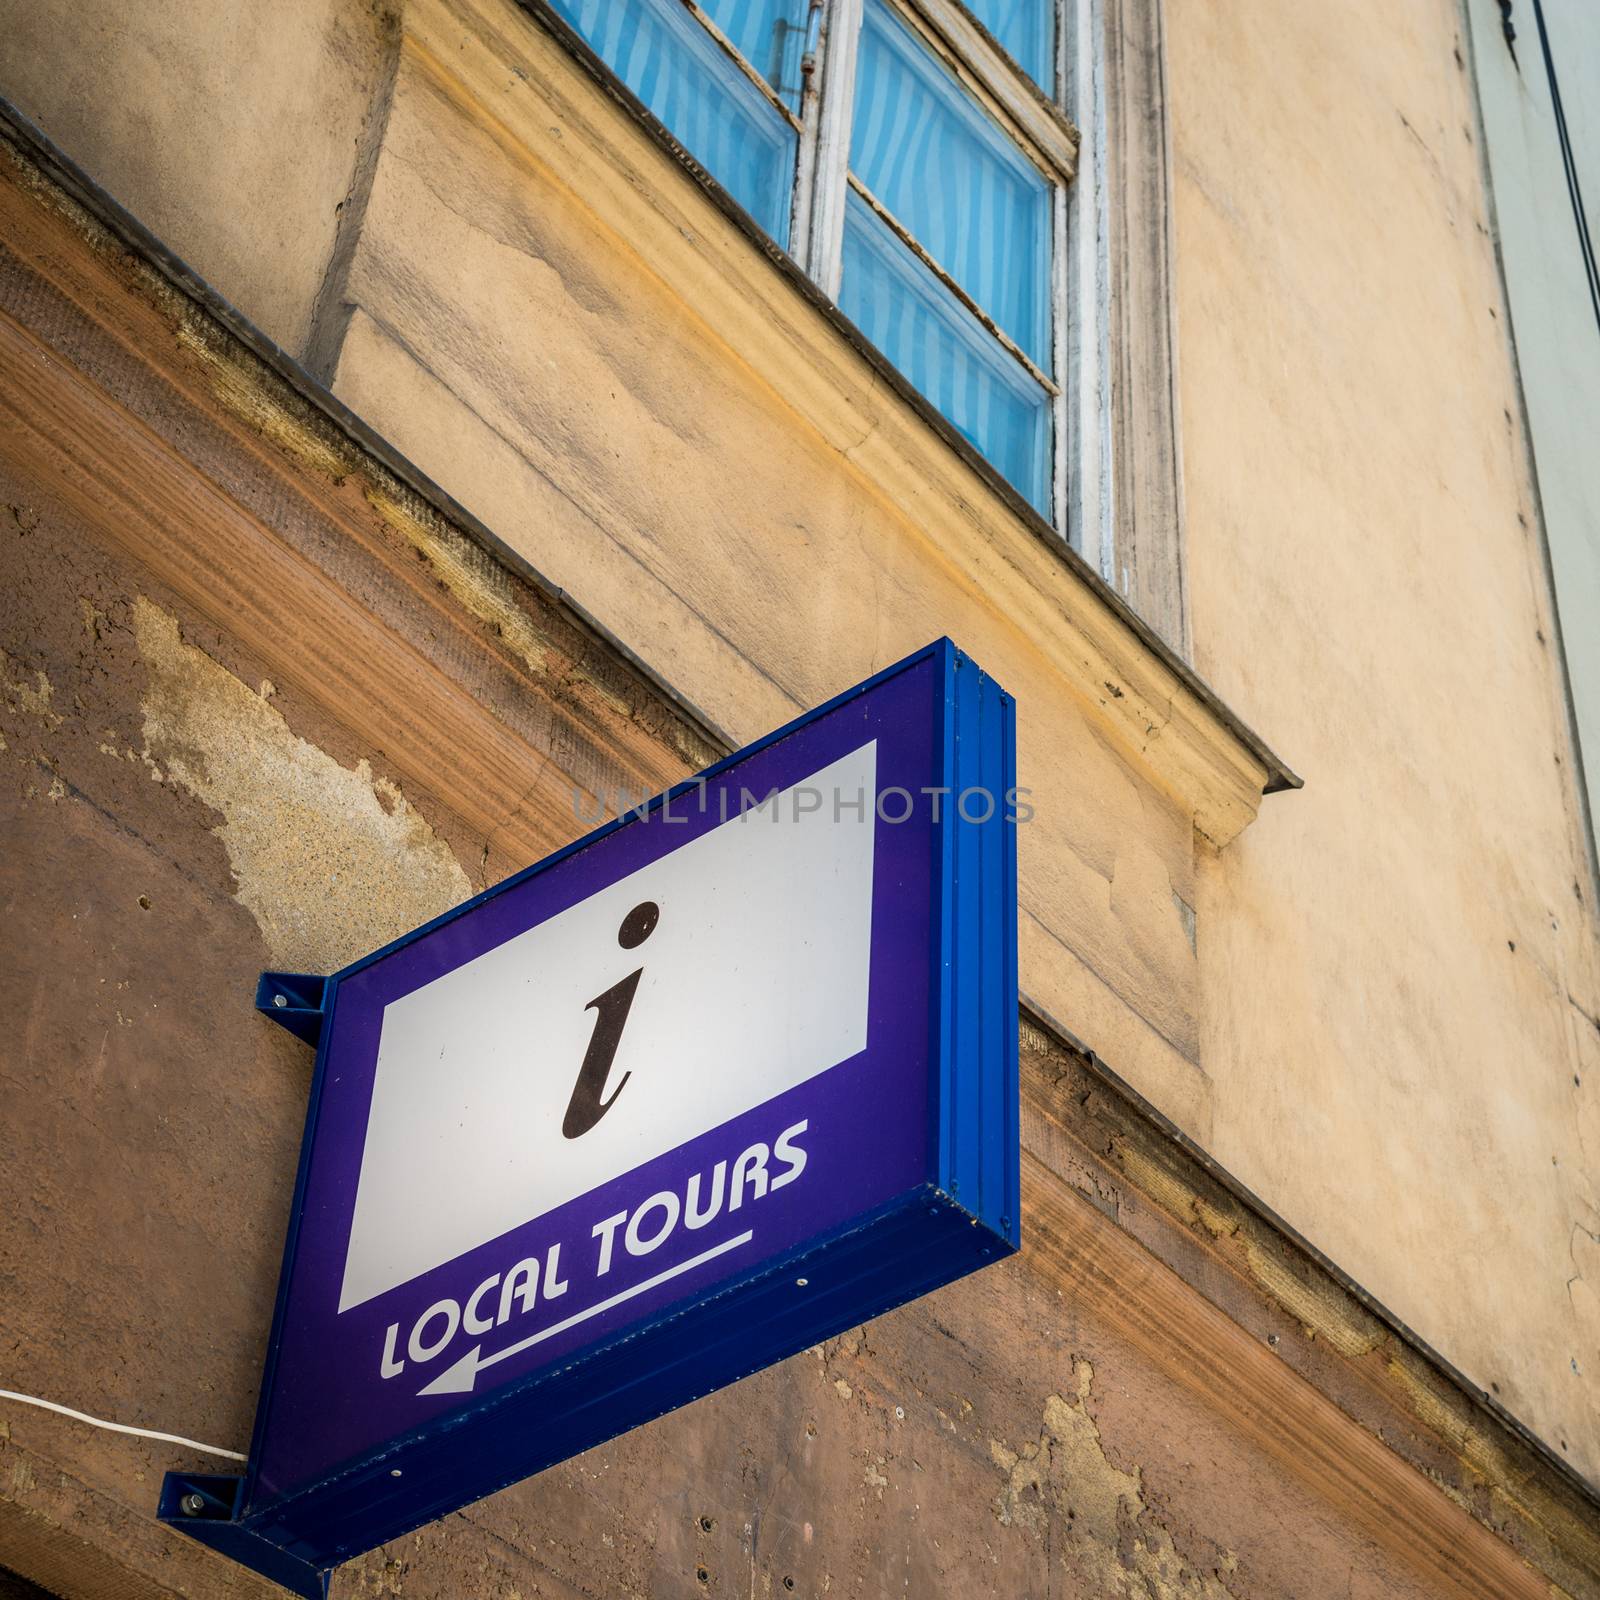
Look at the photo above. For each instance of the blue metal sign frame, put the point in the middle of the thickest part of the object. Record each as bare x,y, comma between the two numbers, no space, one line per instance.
304,1504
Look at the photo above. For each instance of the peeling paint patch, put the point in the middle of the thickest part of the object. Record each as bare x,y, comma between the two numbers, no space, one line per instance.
237,384
31,698
1095,1513
1217,1223
330,861
1174,1194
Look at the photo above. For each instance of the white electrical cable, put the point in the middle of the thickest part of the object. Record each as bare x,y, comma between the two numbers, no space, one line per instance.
120,1427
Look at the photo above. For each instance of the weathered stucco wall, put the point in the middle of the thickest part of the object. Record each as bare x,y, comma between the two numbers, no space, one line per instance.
1400,984
1361,1009
1356,1037
194,786
997,1439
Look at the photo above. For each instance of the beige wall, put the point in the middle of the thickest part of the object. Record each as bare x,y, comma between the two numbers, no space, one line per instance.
525,357
1398,970
1356,1038
234,132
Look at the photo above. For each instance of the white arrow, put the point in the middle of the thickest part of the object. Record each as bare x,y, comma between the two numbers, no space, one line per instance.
461,1376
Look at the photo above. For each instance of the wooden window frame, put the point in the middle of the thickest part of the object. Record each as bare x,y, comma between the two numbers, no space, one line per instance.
1034,124
1119,98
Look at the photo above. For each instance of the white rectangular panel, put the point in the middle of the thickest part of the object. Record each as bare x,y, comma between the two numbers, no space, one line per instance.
754,979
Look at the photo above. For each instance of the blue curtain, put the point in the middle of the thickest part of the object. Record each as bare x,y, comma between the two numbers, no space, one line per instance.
953,179
1026,31
930,154
672,64
945,352
770,35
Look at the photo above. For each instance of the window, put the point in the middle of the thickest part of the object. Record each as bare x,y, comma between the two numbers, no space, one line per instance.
908,155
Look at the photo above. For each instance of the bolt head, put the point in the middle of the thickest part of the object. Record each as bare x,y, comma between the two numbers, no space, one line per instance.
192,1505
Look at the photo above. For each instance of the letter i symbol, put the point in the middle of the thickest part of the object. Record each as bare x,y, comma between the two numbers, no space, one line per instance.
586,1107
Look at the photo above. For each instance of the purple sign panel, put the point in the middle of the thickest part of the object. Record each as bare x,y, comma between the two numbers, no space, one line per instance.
643,1118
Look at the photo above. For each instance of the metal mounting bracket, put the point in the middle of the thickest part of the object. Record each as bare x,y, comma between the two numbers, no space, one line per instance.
206,1507
294,1001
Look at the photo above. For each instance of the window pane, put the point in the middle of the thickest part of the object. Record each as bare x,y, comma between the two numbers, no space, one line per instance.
944,350
711,108
770,35
953,179
1026,31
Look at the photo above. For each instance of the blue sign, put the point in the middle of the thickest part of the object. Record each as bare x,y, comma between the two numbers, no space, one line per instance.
728,1076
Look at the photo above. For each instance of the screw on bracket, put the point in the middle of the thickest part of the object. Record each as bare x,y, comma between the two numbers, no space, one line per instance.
294,1000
